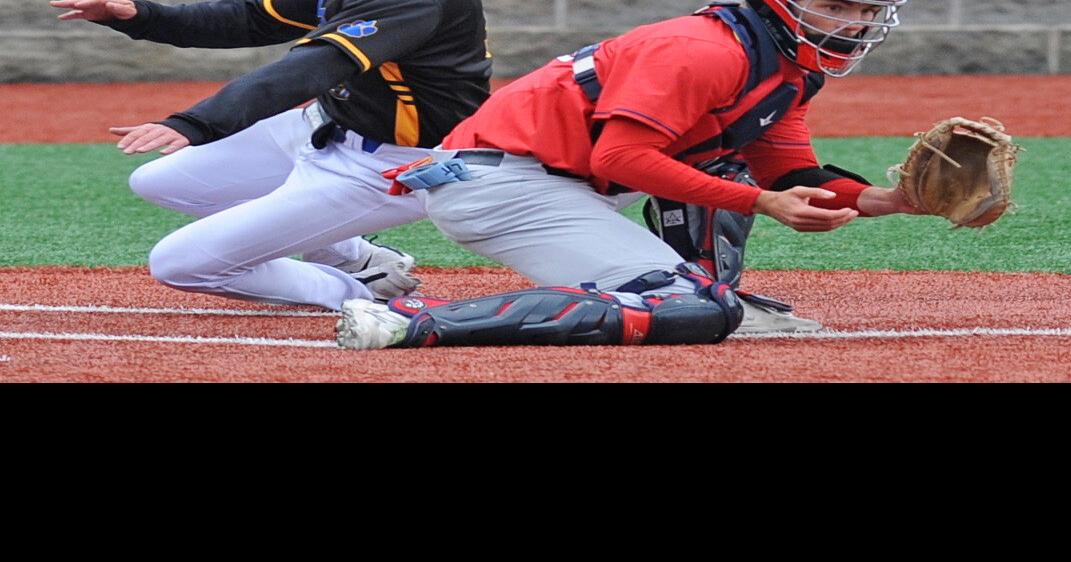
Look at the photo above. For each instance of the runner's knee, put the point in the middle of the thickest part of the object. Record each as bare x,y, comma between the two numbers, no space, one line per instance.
175,265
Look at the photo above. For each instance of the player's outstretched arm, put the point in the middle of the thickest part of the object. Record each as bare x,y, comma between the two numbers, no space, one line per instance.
301,75
212,25
96,10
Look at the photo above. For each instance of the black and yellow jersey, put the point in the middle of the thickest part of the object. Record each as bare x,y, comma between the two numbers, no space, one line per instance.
417,67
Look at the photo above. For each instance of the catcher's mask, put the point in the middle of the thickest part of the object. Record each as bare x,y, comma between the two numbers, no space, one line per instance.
835,52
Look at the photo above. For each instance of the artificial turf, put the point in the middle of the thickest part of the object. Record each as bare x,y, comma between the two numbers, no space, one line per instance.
69,205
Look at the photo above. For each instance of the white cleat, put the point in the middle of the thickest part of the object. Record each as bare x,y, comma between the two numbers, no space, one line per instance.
763,320
388,280
369,325
379,256
385,272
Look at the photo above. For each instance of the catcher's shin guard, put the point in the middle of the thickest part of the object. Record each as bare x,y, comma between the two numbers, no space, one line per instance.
563,316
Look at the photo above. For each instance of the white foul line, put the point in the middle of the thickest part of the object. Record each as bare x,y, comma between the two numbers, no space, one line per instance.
900,334
267,342
180,311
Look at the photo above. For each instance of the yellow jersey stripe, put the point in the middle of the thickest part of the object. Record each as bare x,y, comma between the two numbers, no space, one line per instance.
357,53
406,118
275,14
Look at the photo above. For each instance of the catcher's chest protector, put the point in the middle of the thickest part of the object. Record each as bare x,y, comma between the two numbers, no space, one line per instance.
764,100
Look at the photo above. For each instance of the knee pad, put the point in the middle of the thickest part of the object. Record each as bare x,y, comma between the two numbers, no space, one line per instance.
707,317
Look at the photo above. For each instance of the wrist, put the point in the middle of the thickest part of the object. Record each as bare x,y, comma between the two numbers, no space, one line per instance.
763,202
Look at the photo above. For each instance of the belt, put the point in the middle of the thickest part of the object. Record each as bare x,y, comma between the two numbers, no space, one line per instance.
494,158
325,130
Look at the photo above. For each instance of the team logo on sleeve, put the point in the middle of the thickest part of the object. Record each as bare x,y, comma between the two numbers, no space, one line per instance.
359,29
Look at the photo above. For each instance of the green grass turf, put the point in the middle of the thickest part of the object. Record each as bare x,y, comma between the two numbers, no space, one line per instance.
69,205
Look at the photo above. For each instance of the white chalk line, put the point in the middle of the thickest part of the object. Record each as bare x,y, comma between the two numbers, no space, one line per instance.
263,342
903,334
272,342
823,335
177,311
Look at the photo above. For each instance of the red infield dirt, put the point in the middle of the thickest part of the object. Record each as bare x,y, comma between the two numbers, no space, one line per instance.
891,302
965,327
1030,106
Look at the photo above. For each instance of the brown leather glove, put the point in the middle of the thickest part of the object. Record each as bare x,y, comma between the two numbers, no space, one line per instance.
961,170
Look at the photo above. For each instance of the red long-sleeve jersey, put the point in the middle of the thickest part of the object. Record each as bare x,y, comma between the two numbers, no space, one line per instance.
667,88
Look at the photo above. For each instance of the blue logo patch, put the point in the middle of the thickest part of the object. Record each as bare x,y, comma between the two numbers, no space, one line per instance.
359,29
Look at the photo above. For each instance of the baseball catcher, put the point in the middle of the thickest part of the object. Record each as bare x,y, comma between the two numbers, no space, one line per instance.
535,178
961,170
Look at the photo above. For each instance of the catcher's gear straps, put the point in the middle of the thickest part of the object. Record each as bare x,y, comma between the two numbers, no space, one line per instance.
566,316
763,63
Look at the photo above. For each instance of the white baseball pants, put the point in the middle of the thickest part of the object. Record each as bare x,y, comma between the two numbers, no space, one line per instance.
555,231
265,194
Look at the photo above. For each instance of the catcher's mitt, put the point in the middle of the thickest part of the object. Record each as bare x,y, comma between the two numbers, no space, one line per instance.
960,170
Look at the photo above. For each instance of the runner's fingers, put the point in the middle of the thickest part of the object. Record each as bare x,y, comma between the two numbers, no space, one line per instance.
139,138
121,131
130,137
175,146
151,142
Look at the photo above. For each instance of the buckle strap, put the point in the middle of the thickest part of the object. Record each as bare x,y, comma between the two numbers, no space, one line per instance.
584,72
435,174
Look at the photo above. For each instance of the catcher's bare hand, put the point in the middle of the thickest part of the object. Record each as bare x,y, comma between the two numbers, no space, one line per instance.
96,10
149,137
793,209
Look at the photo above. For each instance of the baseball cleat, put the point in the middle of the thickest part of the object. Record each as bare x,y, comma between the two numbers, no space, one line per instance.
369,325
764,320
388,280
380,255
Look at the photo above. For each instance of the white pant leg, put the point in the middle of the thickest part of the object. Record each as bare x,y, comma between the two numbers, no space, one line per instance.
555,231
204,180
332,195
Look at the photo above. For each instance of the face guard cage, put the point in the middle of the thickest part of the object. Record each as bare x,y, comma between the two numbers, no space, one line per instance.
838,52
